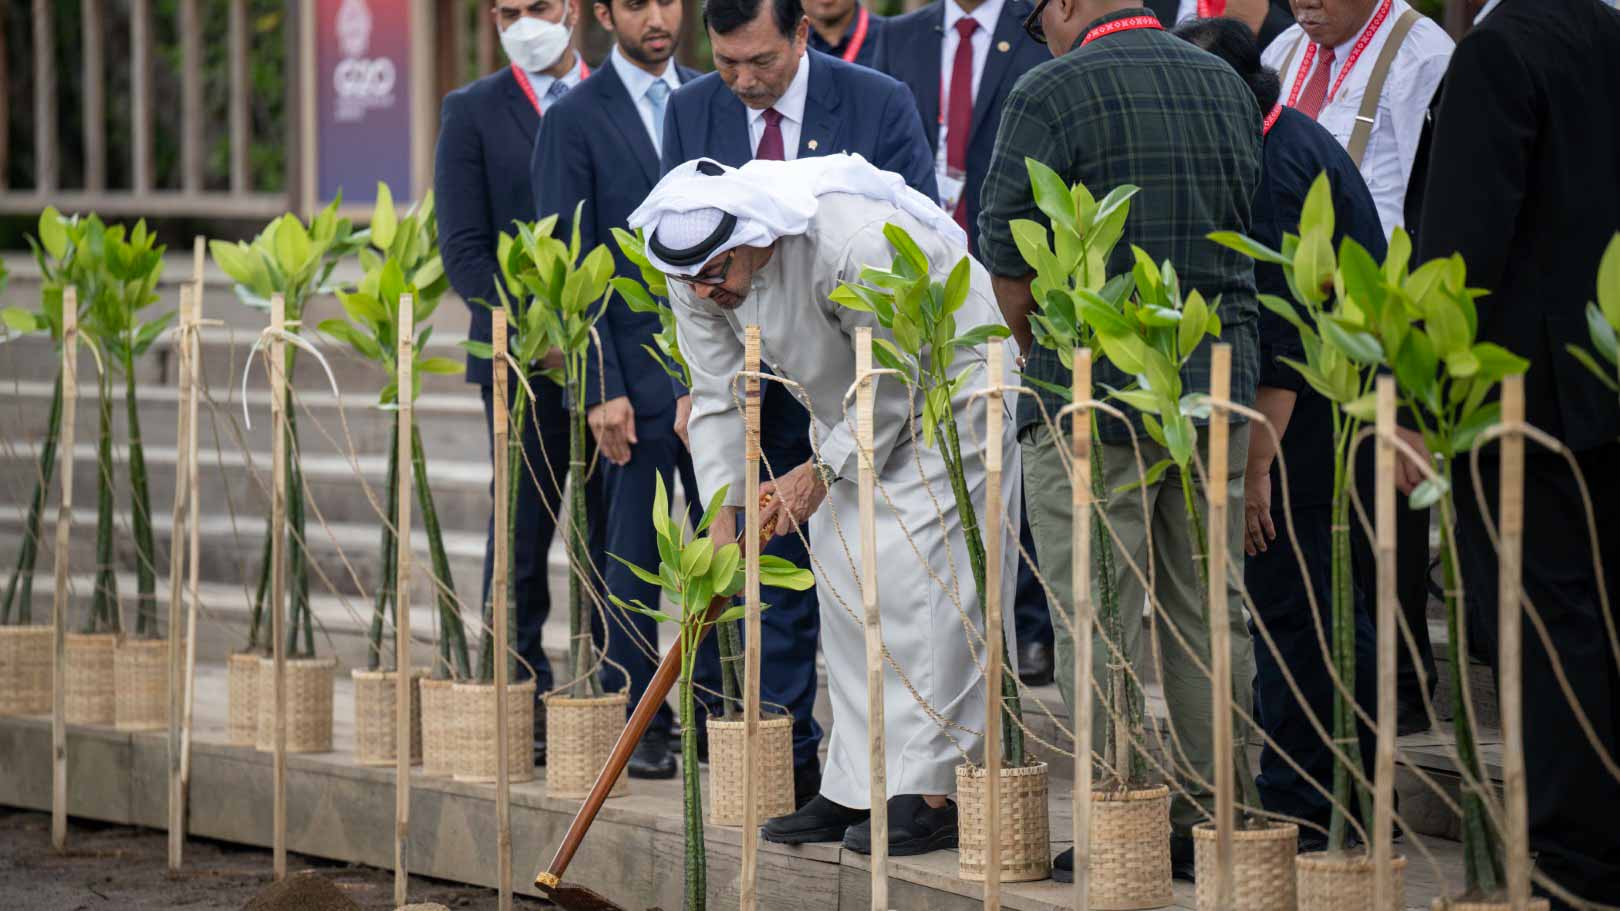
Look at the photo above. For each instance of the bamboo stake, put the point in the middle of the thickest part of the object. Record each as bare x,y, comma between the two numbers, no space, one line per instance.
1080,441
402,605
64,528
877,752
503,794
1220,392
177,568
278,581
992,630
750,831
1388,604
1510,654
199,254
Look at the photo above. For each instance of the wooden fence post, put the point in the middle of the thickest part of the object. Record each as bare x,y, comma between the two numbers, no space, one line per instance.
1387,606
877,752
404,361
1510,654
1220,640
278,582
992,629
750,830
194,347
1080,540
183,493
503,795
64,529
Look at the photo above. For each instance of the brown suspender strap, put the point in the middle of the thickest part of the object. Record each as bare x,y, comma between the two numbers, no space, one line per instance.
1365,118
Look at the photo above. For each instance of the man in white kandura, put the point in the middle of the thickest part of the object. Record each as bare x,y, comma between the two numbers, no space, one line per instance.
767,244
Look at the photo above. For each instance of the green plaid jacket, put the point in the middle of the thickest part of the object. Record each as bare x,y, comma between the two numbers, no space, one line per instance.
1138,107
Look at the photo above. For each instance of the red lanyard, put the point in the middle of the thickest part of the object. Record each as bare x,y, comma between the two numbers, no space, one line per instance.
528,87
1366,38
1123,25
1271,119
1208,8
862,20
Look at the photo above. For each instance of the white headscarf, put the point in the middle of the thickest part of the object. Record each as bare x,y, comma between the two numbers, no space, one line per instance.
771,199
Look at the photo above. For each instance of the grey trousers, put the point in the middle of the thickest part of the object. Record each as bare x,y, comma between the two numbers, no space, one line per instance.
1180,593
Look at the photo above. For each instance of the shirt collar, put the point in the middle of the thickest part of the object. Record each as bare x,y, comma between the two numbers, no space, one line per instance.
1486,10
791,104
542,82
987,14
637,80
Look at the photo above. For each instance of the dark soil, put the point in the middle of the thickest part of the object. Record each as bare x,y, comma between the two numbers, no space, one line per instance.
117,867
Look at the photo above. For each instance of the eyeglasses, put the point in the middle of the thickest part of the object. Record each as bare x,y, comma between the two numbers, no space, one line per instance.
719,278
1032,23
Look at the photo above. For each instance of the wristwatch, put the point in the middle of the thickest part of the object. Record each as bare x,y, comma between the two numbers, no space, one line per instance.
825,472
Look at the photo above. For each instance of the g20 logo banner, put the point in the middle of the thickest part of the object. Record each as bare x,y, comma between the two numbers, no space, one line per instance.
363,97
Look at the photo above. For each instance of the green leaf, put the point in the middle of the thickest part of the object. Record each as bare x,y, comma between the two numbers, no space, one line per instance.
978,335
1363,408
696,556
478,349
53,235
1179,437
1398,256
1101,317
1427,493
1313,266
1415,366
723,569
1445,324
640,573
384,221
1361,347
638,607
1195,313
1148,478
439,365
1250,247
956,287
1586,360
19,320
1603,334
1051,194
660,507
906,247
1475,423
1317,213
1608,282
716,503
779,573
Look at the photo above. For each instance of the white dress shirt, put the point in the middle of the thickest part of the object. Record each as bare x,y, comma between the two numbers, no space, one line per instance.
986,15
1413,77
791,107
637,81
542,83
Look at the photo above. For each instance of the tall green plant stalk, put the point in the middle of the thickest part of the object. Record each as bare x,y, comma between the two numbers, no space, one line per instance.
697,861
385,601
104,613
515,475
452,636
146,619
581,650
20,588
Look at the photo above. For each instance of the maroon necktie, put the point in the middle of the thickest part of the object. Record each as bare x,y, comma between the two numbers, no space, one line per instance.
959,118
1315,93
770,144
1208,8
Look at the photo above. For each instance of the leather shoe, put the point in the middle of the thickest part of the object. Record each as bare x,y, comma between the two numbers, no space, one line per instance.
1410,717
914,828
652,757
806,784
540,733
1035,664
1182,865
1063,867
819,820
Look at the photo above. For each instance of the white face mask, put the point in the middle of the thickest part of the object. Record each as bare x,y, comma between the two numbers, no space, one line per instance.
535,44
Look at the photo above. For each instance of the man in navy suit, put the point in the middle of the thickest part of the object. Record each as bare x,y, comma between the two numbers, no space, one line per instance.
845,29
772,97
960,87
598,149
481,182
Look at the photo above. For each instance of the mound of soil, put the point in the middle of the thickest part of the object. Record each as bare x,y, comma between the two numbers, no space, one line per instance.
305,891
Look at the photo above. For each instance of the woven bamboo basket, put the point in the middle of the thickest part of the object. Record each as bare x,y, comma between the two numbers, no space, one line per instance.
375,733
242,692
773,787
1026,837
1452,904
473,756
1130,849
1345,882
580,733
309,684
25,670
141,679
89,675
1262,867
441,726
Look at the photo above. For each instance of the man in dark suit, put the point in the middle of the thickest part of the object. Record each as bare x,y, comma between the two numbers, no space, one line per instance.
481,182
1267,18
598,149
771,97
1522,184
845,29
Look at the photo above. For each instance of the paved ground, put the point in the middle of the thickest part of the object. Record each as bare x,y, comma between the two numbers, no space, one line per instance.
116,867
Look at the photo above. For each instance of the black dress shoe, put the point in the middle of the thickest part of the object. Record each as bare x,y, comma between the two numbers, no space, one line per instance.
914,828
806,784
1182,865
1035,663
1410,718
819,820
539,733
1063,867
652,758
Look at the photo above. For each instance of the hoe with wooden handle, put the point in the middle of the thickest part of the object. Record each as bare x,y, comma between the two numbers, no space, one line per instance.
579,898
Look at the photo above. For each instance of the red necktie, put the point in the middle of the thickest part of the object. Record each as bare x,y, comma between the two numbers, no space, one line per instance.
770,144
1315,93
1208,8
959,117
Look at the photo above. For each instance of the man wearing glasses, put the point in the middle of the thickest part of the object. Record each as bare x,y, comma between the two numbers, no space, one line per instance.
1126,103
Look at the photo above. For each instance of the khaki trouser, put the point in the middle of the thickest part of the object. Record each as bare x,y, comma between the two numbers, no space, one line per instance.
1176,577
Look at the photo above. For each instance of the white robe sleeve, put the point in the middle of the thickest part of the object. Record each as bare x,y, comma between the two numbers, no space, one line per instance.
716,426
